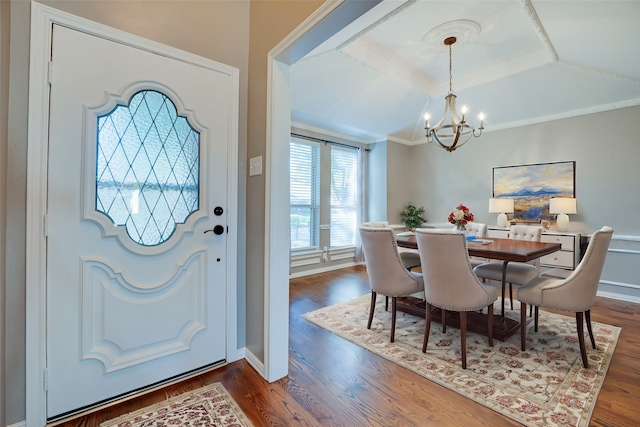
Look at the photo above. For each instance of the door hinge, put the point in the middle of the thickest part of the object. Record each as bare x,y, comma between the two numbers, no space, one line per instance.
45,225
45,379
50,72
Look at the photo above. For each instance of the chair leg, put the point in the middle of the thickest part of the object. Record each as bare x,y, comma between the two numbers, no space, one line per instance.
535,319
583,350
373,306
386,303
444,320
530,310
490,324
587,318
523,325
393,319
427,328
463,338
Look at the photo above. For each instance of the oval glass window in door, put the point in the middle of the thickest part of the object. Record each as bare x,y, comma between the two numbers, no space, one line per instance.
147,169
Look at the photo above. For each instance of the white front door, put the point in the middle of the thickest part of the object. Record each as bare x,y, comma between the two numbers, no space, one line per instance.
137,175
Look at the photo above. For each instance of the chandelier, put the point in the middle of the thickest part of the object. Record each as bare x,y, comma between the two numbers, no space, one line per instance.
457,131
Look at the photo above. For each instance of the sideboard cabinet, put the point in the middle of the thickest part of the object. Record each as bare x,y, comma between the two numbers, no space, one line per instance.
567,258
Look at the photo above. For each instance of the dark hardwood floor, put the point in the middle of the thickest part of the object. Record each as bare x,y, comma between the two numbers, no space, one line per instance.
333,382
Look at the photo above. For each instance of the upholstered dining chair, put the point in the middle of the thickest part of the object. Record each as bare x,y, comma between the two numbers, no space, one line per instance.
518,273
576,293
449,282
478,230
387,274
410,257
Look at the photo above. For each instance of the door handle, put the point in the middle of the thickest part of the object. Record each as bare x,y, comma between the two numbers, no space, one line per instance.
218,230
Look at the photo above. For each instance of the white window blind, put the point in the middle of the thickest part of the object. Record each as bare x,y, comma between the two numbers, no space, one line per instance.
344,190
304,189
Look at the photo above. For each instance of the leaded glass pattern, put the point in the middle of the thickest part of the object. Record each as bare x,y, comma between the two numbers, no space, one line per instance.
147,170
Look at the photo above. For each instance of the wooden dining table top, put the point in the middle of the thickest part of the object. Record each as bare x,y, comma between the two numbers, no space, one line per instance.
502,249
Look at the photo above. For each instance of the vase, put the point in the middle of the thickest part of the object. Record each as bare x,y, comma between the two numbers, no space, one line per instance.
460,227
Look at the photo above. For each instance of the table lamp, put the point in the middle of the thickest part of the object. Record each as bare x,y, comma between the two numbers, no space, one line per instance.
562,206
502,207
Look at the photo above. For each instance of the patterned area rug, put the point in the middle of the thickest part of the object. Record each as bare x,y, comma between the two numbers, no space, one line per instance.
544,386
204,407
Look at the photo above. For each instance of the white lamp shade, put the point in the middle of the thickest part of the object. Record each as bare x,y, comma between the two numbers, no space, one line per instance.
500,205
562,205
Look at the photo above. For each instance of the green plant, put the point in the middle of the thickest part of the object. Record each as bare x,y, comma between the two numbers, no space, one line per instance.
412,216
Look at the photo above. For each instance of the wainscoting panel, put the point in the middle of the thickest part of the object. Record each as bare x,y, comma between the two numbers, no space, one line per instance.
621,274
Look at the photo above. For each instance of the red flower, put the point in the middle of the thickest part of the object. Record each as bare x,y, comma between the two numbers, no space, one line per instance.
461,216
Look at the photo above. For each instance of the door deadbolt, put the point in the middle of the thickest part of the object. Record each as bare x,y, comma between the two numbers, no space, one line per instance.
217,211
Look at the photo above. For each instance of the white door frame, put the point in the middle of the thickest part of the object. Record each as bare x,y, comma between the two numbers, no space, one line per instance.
327,20
42,19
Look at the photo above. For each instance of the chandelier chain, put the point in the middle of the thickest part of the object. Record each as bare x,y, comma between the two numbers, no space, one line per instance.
450,86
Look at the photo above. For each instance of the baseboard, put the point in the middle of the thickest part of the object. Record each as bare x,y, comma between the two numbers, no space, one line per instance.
19,424
255,363
621,297
323,269
241,353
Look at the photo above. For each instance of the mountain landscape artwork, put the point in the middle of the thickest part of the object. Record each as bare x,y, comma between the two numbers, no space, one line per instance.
531,187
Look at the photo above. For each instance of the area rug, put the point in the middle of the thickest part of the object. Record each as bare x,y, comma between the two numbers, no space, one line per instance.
543,386
207,406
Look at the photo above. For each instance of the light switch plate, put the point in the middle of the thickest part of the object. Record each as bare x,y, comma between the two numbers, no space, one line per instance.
255,166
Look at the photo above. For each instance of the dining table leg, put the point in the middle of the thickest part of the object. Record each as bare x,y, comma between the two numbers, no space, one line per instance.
504,282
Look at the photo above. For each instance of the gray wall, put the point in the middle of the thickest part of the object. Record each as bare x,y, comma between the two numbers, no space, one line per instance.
401,186
5,31
606,149
376,179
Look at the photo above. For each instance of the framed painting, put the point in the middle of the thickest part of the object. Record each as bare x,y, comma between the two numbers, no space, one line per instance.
531,187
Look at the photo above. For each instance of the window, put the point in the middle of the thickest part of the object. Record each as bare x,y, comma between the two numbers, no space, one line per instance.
323,194
147,171
304,188
344,191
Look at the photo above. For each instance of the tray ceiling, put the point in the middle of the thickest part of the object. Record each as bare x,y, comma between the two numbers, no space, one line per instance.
518,62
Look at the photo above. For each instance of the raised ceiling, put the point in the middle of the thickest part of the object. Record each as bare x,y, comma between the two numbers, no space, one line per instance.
518,62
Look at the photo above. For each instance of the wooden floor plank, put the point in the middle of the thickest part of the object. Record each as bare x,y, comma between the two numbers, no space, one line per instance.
333,382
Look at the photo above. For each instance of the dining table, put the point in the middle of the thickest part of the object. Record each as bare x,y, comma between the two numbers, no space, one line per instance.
505,250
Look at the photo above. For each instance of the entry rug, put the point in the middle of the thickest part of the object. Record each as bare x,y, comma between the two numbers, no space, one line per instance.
543,386
207,406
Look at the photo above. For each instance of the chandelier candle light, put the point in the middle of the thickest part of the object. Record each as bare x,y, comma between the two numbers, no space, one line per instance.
457,131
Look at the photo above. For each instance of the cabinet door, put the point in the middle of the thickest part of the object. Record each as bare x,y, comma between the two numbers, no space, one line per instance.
498,233
560,259
568,242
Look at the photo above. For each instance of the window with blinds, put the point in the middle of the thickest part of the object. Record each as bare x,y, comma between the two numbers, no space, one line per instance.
304,190
344,190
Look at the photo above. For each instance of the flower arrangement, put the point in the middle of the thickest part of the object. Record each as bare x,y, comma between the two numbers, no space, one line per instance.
460,217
